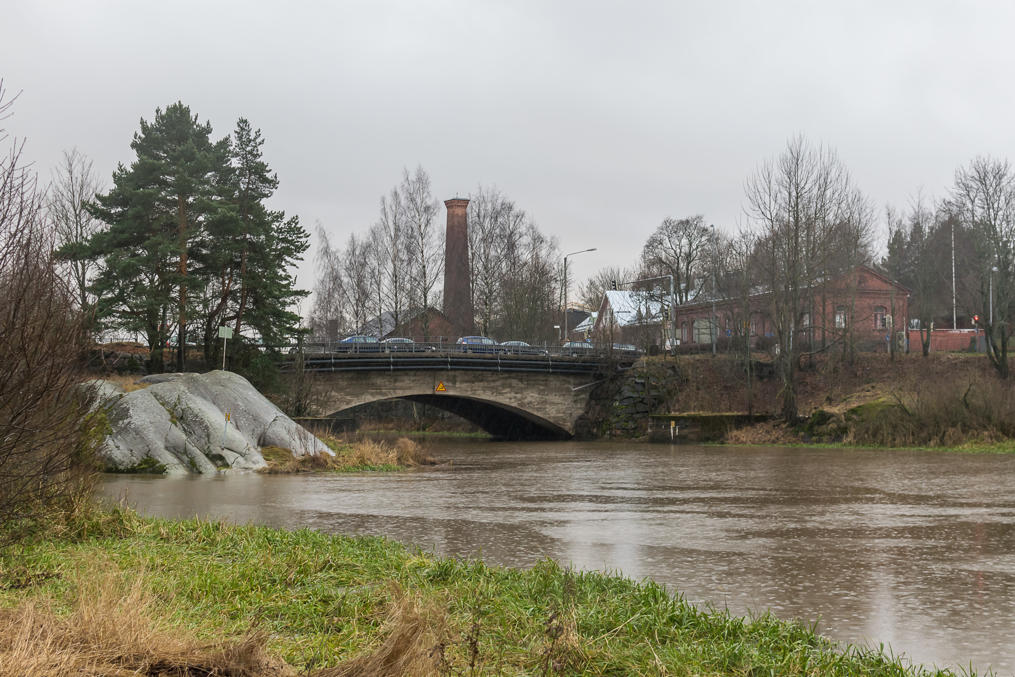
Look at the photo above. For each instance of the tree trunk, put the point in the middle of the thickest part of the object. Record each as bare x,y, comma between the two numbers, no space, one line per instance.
181,347
925,339
243,293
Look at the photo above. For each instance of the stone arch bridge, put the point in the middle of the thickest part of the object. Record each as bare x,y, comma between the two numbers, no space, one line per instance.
513,398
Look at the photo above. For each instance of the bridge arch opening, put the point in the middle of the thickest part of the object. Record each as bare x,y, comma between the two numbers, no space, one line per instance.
499,420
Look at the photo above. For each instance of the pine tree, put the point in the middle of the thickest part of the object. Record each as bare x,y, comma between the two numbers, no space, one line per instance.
189,239
156,210
269,245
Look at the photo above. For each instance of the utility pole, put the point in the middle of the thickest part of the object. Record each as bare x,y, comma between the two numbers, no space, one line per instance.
714,324
954,316
566,285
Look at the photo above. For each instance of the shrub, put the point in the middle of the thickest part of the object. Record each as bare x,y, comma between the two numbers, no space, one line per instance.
43,434
938,414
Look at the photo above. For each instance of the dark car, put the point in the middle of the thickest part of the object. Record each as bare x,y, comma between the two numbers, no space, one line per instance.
476,344
358,344
576,348
519,348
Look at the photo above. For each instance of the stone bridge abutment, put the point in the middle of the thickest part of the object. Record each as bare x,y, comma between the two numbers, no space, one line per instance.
509,405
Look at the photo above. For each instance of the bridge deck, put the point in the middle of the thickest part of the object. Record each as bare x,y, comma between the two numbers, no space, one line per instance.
544,364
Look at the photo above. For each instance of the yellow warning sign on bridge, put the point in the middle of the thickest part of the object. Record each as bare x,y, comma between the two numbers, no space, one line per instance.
440,388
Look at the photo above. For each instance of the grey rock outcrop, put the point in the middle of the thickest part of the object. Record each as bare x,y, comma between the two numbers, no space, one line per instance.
195,423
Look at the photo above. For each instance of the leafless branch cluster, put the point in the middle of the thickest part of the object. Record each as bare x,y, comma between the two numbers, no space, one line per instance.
40,341
812,223
396,266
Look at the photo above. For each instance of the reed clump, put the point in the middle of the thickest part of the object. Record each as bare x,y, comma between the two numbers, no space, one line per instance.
354,456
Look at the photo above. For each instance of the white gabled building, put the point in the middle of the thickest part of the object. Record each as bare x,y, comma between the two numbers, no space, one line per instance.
635,317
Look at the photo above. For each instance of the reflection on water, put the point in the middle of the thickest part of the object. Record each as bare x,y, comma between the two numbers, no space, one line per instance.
913,549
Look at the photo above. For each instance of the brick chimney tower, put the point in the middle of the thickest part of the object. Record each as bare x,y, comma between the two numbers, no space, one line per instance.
457,284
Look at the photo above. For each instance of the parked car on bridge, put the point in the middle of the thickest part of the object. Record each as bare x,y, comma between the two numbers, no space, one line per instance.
358,344
476,344
519,348
577,348
397,344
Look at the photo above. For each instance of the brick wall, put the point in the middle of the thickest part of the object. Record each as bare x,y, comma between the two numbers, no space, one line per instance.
943,340
865,298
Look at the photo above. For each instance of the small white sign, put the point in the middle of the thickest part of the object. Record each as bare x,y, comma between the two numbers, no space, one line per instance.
225,332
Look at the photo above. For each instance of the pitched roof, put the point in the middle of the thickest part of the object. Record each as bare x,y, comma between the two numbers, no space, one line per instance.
587,323
633,307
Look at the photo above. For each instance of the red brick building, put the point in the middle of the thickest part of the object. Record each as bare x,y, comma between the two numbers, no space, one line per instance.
864,304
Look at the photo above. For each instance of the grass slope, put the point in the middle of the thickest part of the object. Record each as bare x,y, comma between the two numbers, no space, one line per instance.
332,605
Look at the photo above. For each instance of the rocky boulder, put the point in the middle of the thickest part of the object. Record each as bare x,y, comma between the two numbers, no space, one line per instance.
195,423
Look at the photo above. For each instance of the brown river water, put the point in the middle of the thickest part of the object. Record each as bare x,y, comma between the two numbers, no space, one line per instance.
915,550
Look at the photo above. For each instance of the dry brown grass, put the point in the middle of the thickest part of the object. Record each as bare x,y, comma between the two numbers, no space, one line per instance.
403,453
126,381
415,637
115,629
767,433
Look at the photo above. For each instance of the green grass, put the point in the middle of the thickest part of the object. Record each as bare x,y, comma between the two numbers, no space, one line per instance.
322,599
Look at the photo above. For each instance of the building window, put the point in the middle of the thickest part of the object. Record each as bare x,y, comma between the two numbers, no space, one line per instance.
683,332
805,320
880,317
840,317
702,330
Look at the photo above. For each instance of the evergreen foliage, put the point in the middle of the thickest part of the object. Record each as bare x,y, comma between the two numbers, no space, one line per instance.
189,241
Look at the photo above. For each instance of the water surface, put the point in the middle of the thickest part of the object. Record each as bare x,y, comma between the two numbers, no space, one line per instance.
912,549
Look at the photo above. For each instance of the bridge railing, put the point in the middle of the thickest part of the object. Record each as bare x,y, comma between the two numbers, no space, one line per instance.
597,352
425,356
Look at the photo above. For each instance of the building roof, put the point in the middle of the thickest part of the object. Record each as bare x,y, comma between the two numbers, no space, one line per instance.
633,307
704,299
587,323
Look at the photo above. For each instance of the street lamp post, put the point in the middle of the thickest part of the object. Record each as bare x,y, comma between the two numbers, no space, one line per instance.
566,284
990,310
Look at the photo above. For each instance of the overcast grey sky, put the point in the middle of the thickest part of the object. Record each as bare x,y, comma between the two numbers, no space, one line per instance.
598,118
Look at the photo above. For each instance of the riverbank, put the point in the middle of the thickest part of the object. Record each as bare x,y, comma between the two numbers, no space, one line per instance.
129,592
946,400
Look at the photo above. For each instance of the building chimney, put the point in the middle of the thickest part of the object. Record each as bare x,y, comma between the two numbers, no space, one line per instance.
457,284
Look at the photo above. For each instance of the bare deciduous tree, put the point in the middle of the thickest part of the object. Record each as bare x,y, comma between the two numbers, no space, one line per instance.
393,246
426,255
984,199
357,291
529,285
41,342
678,247
812,223
914,261
74,183
327,315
